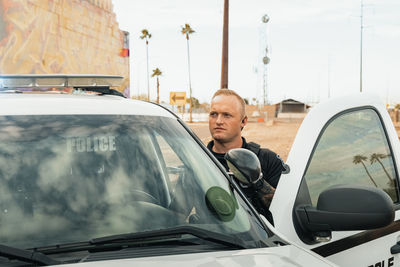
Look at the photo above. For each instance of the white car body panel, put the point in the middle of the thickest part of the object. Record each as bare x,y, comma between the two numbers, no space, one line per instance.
266,257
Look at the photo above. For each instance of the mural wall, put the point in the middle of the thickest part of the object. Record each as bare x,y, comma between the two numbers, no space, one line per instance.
62,36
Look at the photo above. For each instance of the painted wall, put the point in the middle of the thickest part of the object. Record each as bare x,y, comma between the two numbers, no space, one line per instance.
61,36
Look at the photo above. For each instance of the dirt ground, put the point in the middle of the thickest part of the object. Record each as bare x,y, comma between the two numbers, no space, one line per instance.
277,136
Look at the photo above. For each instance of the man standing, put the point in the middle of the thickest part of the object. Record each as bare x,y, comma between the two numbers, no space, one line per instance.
226,121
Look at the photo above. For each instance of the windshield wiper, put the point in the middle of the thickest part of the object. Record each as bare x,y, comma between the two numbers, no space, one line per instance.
26,256
119,241
230,241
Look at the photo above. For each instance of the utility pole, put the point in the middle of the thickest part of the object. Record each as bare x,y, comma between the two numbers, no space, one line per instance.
225,37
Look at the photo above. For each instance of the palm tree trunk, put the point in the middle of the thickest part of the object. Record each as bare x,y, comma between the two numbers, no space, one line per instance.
148,82
158,91
370,177
384,169
190,83
225,38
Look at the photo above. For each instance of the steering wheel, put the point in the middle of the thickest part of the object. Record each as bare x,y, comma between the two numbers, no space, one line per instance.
139,195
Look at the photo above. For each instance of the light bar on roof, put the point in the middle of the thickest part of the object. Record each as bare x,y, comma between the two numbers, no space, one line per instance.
58,80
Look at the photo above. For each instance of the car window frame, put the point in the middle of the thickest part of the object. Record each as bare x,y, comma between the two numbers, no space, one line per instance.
163,165
158,161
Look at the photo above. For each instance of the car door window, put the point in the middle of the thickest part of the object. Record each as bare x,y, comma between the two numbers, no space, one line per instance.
353,149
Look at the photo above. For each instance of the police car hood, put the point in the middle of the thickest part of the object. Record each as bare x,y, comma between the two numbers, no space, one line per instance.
267,257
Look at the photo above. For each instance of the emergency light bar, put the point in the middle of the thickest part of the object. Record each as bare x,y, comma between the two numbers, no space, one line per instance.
58,81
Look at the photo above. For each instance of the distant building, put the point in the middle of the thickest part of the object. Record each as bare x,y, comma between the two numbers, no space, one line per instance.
292,109
288,108
292,106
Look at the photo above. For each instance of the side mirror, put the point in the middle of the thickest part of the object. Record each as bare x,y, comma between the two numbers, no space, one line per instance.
244,164
346,208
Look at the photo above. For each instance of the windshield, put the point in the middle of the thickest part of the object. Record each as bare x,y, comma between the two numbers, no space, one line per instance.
70,178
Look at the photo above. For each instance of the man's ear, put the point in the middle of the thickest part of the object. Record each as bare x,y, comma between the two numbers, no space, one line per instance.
243,122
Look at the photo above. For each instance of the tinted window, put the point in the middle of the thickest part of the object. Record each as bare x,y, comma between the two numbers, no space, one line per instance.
353,149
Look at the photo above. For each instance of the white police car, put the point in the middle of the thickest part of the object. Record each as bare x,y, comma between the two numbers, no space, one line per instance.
94,179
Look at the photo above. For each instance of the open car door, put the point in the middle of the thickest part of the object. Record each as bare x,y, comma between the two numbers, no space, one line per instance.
342,183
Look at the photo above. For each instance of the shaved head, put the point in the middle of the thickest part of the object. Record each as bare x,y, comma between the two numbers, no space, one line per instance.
227,92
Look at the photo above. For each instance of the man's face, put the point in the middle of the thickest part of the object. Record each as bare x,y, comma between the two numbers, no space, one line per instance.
226,119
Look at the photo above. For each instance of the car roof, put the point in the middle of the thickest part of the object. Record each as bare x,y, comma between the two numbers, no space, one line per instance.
62,104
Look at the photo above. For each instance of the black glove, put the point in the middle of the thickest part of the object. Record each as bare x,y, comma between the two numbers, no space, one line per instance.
265,192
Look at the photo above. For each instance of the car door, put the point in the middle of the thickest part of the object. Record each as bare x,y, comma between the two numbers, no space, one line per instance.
348,141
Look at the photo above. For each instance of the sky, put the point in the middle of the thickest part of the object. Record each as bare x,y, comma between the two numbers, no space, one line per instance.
313,45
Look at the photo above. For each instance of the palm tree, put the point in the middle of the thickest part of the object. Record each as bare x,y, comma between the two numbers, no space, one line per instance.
146,36
187,30
376,157
360,159
156,73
